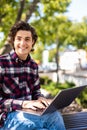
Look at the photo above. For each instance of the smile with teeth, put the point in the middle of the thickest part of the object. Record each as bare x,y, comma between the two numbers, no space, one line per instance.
22,48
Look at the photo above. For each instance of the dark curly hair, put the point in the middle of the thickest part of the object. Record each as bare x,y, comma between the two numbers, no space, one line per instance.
21,25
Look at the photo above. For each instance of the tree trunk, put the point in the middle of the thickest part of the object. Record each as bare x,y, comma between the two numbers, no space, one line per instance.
22,3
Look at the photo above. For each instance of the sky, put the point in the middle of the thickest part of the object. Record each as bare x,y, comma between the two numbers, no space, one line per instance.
77,10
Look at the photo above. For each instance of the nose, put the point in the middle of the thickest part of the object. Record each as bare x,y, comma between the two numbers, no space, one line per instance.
22,42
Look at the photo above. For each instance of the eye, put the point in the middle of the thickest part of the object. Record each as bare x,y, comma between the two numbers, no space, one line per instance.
27,39
18,38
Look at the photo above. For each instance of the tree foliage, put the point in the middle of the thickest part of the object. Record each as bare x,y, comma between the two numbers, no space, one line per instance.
41,14
12,11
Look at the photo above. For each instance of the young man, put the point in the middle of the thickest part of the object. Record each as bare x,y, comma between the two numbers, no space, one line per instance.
20,85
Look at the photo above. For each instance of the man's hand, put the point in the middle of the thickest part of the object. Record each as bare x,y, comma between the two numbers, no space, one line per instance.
39,104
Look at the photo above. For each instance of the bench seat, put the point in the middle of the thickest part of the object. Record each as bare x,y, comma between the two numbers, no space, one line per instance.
75,121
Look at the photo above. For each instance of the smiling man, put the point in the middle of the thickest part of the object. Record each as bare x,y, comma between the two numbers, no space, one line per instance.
20,85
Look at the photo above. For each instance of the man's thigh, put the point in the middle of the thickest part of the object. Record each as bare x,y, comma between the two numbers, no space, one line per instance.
20,121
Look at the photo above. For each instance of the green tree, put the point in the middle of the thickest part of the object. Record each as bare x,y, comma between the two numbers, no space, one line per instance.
38,13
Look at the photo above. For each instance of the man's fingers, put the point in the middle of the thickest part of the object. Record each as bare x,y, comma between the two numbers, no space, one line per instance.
44,103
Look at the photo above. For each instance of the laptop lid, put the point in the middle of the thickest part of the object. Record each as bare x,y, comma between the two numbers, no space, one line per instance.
64,98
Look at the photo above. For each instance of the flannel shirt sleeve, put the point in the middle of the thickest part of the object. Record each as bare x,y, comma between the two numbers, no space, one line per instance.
7,105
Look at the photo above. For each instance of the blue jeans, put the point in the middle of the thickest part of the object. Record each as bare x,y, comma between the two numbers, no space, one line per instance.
25,121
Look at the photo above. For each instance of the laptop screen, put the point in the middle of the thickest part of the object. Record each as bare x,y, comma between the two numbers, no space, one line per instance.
64,98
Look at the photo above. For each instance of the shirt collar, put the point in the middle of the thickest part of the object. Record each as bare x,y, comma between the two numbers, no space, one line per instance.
16,58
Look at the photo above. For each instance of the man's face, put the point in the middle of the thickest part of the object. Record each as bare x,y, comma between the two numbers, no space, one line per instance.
23,43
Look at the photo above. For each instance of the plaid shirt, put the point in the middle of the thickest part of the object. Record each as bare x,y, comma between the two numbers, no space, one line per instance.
19,81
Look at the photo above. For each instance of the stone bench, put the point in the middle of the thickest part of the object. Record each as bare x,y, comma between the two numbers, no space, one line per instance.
75,121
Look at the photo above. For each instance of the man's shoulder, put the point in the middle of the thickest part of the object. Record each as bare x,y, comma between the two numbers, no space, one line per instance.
4,56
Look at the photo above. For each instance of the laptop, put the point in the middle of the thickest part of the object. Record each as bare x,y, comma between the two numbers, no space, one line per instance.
64,98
